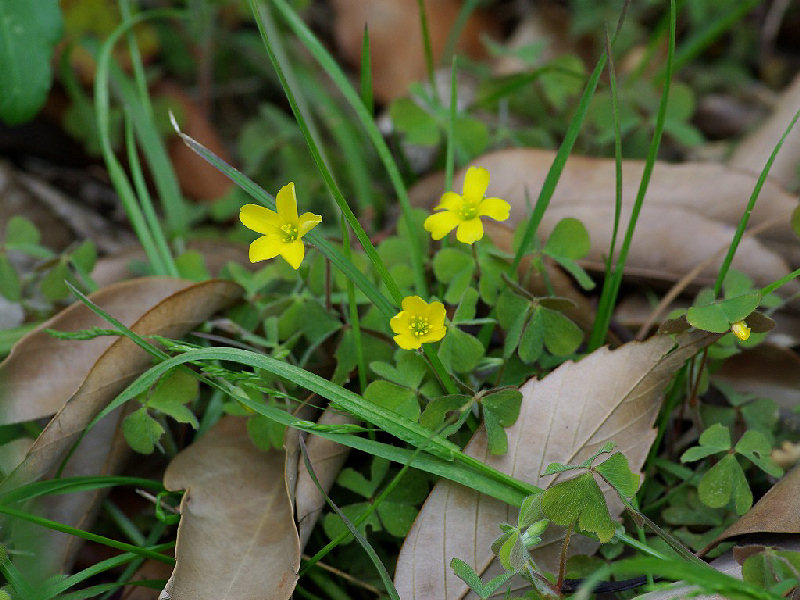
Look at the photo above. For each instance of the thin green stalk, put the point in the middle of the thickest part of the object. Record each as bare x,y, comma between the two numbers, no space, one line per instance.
354,321
327,176
136,59
449,161
467,8
612,78
366,73
86,535
145,202
737,237
331,67
782,281
608,296
426,41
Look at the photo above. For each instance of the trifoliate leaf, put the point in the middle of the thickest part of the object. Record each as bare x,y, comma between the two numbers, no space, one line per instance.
509,306
10,284
435,412
713,440
723,480
410,370
710,317
411,119
333,525
561,336
192,266
531,343
53,286
616,471
569,239
396,518
530,511
142,431
396,398
459,351
21,231
466,306
514,331
579,501
504,404
265,433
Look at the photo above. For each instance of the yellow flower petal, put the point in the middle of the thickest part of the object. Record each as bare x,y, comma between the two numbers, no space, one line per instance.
265,247
259,219
306,222
286,203
741,330
441,223
418,323
450,201
293,253
414,305
494,208
434,335
407,341
436,314
470,231
476,182
399,322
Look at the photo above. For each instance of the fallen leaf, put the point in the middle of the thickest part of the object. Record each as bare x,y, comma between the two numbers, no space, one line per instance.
150,569
768,371
42,372
610,395
236,539
397,50
691,210
172,316
751,154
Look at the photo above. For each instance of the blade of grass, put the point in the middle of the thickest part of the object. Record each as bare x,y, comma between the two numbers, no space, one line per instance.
608,296
449,161
366,73
464,12
612,79
331,67
428,49
68,485
751,203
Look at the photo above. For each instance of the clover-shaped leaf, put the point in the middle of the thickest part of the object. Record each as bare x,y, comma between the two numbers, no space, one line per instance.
713,440
568,242
579,501
142,431
617,472
756,448
717,316
454,268
723,480
500,410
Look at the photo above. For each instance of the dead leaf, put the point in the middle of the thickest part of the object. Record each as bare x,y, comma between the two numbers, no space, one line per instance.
399,60
768,371
41,373
565,417
150,569
691,210
752,153
173,316
236,539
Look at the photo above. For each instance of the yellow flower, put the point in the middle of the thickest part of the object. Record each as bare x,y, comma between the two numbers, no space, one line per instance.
418,323
282,231
465,210
741,330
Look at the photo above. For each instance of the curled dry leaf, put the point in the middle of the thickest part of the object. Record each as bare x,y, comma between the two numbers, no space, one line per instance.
611,395
172,311
691,210
768,371
236,539
396,44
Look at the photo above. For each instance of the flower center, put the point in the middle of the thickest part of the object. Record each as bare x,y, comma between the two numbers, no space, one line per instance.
468,211
289,232
419,326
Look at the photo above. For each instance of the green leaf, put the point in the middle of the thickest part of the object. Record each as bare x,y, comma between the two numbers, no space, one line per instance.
723,480
10,284
504,405
466,307
756,448
513,555
29,30
579,501
21,231
739,307
172,394
334,527
435,412
514,331
265,433
509,305
142,431
616,471
574,269
530,511
713,440
53,286
569,239
531,344
561,336
736,283
454,268
398,399
410,371
470,137
496,436
708,318
396,518
564,81
771,566
468,575
459,351
412,120
192,265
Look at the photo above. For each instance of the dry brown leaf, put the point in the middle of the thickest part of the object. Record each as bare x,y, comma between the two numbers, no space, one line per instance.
399,60
327,458
150,569
690,211
236,539
41,373
173,316
565,417
768,371
752,153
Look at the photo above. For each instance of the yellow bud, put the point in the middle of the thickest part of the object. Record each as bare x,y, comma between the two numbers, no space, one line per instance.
740,330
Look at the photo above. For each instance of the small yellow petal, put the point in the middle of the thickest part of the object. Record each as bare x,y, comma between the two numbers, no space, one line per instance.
286,203
494,208
450,201
476,182
293,253
441,223
265,247
399,322
434,335
414,305
407,341
436,314
306,222
741,330
259,219
469,232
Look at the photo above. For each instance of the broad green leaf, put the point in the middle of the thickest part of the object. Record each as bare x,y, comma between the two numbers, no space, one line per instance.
723,480
334,527
434,414
755,446
616,471
53,286
142,431
470,137
579,501
514,331
265,433
531,344
504,405
770,566
410,370
509,305
466,306
569,239
29,30
454,268
739,307
172,394
21,231
10,284
398,399
736,283
459,351
513,554
713,440
710,317
495,434
396,518
412,120
84,257
565,81
574,269
561,335
192,266
531,511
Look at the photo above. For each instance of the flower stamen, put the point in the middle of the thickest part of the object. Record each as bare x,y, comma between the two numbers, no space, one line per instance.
419,326
289,232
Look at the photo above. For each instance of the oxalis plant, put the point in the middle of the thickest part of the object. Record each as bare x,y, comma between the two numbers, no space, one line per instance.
423,339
